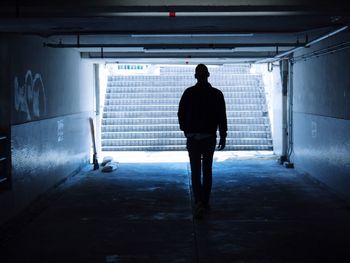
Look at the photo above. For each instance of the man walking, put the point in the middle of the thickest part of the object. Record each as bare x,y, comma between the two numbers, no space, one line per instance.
201,112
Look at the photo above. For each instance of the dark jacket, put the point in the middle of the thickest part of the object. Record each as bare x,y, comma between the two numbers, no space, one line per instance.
202,110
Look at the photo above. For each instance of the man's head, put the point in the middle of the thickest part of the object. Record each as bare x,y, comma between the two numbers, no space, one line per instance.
202,73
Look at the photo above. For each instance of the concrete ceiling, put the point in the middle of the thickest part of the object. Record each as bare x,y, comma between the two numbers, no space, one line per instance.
176,29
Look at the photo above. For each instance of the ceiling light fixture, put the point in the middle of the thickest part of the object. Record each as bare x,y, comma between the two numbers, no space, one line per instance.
190,50
193,35
207,14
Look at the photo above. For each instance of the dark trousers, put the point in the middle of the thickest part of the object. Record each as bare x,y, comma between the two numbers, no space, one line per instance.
201,159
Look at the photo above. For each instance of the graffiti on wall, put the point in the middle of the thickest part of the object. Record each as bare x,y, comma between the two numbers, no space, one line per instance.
60,130
30,99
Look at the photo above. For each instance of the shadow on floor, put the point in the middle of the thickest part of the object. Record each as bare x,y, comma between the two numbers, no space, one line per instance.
261,212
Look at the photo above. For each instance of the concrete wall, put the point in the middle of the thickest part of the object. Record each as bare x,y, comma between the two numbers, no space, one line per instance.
273,91
5,110
4,91
52,98
321,115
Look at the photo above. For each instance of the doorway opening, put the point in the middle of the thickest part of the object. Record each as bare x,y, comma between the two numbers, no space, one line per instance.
139,104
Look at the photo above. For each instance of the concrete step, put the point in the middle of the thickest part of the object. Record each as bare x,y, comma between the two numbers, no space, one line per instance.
183,83
178,89
182,77
175,127
177,141
175,95
183,148
241,69
164,121
178,135
174,107
171,101
166,114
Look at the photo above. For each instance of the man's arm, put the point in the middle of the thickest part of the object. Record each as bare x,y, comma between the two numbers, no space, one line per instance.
222,123
181,112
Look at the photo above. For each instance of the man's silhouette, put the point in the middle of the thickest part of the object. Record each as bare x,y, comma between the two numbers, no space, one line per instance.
201,112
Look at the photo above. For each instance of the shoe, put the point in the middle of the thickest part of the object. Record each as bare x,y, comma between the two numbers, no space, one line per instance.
207,207
199,211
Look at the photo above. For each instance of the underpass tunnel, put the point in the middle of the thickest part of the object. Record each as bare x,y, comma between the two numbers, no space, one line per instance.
283,70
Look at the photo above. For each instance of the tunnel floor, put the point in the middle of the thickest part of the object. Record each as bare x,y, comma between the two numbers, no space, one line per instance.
261,212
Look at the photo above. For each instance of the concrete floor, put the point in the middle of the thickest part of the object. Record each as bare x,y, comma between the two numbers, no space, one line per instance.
261,212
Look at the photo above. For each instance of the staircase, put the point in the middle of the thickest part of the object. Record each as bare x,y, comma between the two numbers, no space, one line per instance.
140,111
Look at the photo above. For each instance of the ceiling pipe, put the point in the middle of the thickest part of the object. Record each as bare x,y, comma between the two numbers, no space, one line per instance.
178,58
172,46
329,50
308,44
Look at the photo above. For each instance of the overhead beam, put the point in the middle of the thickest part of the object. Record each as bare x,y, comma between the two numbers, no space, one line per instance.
174,46
185,56
68,8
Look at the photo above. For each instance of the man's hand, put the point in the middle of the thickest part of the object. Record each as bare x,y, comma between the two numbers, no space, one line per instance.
222,144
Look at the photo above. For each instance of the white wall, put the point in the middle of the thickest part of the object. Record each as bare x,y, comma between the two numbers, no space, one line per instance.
273,90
